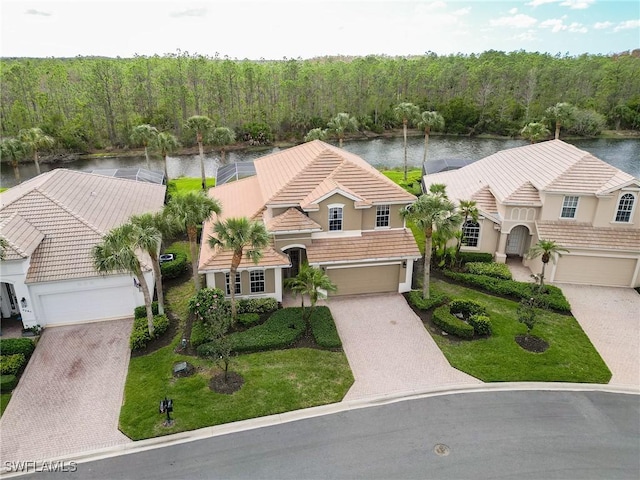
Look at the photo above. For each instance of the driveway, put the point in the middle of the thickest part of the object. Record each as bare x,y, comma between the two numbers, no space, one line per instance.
610,317
69,397
388,348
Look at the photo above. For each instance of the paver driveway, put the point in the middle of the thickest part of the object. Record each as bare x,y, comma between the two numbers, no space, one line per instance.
388,348
70,394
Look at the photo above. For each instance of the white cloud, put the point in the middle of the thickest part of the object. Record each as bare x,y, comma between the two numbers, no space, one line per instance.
528,36
576,27
577,4
40,13
515,21
193,12
513,11
537,3
555,24
602,25
462,11
629,24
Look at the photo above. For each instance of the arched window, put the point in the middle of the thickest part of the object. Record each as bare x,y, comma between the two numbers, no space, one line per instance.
625,207
470,233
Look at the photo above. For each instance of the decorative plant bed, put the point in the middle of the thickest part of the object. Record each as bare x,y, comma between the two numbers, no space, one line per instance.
531,343
233,383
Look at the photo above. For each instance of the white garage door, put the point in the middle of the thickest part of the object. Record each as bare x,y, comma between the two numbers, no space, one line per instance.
614,272
355,280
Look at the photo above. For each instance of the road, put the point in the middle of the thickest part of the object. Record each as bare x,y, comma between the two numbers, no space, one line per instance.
512,434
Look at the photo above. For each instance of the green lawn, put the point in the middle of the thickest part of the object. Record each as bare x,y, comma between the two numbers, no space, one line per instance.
4,401
184,184
571,357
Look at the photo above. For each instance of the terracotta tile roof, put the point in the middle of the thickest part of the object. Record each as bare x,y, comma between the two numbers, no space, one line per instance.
238,199
293,220
374,246
73,210
22,237
221,260
485,200
583,235
589,175
526,194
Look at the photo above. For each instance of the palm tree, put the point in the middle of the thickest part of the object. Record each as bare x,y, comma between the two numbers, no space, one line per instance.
144,135
562,113
549,250
34,139
406,112
429,120
166,143
189,210
315,134
201,125
310,281
340,124
239,235
3,245
468,210
13,149
432,212
117,253
535,131
221,137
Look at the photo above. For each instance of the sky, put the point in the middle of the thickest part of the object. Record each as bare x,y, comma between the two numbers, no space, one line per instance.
305,29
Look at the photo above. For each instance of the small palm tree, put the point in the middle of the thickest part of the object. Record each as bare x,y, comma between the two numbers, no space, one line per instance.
221,137
13,150
340,124
200,124
315,134
406,112
144,135
165,143
549,250
189,210
239,235
562,113
468,210
427,121
33,140
310,281
534,132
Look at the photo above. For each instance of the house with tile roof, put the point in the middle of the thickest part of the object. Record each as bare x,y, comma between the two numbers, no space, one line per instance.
321,205
553,191
50,225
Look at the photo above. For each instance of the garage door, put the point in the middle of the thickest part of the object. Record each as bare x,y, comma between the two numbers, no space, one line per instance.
614,272
354,280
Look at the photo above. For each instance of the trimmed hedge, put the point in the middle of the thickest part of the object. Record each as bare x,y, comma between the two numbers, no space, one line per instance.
8,383
481,324
140,333
201,332
256,305
175,267
282,328
496,270
141,311
11,346
443,318
466,257
435,299
248,319
324,329
12,364
552,299
467,308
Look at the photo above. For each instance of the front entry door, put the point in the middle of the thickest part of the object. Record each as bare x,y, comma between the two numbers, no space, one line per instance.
515,241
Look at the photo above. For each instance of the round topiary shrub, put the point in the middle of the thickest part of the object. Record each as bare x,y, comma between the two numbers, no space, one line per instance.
481,324
174,268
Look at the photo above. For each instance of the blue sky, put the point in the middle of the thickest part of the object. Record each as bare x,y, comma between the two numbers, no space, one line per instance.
273,30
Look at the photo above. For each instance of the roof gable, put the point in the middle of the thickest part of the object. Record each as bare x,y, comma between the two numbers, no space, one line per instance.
293,220
21,236
525,194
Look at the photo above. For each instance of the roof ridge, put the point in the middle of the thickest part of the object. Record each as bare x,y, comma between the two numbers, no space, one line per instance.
70,212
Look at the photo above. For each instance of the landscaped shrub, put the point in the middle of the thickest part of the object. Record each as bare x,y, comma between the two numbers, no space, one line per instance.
201,332
160,325
466,257
435,299
481,324
141,311
257,305
281,329
496,270
451,324
140,333
175,267
10,346
12,364
467,308
8,383
209,304
324,329
248,319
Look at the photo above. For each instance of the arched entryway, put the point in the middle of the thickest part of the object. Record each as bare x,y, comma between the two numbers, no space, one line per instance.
298,256
517,241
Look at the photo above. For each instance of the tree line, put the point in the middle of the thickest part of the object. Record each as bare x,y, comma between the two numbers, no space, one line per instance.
94,103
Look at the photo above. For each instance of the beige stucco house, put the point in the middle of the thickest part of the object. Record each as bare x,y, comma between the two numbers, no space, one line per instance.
324,206
554,191
50,225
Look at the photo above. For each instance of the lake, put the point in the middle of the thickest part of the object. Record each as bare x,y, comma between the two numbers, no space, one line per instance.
380,152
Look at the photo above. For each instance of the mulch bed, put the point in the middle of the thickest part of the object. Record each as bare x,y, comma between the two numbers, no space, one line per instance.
233,383
531,343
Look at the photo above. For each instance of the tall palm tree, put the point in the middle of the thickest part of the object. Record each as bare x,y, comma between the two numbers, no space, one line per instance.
432,212
33,140
117,253
166,143
200,124
13,149
535,131
308,282
468,210
144,135
427,121
189,210
340,124
315,134
406,112
239,235
221,137
562,113
549,251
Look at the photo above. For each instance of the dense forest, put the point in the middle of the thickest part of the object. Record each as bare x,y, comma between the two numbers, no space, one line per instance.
94,103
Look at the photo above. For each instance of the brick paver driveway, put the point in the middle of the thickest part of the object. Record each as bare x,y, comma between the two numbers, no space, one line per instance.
70,394
388,348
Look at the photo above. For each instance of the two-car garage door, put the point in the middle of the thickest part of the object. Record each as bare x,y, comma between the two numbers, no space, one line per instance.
353,280
593,270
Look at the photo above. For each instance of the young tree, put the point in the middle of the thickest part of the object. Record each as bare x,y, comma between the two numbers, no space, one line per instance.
144,135
549,250
310,281
406,112
13,150
562,113
33,140
189,210
221,137
527,314
427,121
535,131
200,124
340,124
165,143
239,235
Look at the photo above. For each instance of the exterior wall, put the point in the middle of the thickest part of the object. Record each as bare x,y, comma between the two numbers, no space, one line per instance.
586,211
282,241
596,268
351,218
354,279
489,236
15,272
272,283
369,217
608,206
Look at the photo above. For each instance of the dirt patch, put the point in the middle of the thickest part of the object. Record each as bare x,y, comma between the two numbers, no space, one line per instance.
531,343
232,384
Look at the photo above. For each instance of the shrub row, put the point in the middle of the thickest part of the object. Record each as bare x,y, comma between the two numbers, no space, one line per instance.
553,298
11,346
175,267
435,299
248,319
481,324
8,383
12,364
324,329
201,332
281,329
467,308
443,318
140,333
141,311
257,305
466,257
496,270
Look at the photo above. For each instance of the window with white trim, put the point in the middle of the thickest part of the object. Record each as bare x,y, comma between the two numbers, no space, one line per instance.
470,233
569,207
625,207
256,281
382,216
228,283
335,219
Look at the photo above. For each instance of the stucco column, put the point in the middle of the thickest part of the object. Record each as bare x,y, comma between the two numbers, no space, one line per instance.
501,256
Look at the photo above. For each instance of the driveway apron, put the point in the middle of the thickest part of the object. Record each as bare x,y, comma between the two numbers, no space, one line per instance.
69,397
388,347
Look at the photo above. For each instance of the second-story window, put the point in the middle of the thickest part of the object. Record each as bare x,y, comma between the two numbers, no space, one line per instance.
569,207
382,216
335,219
625,207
